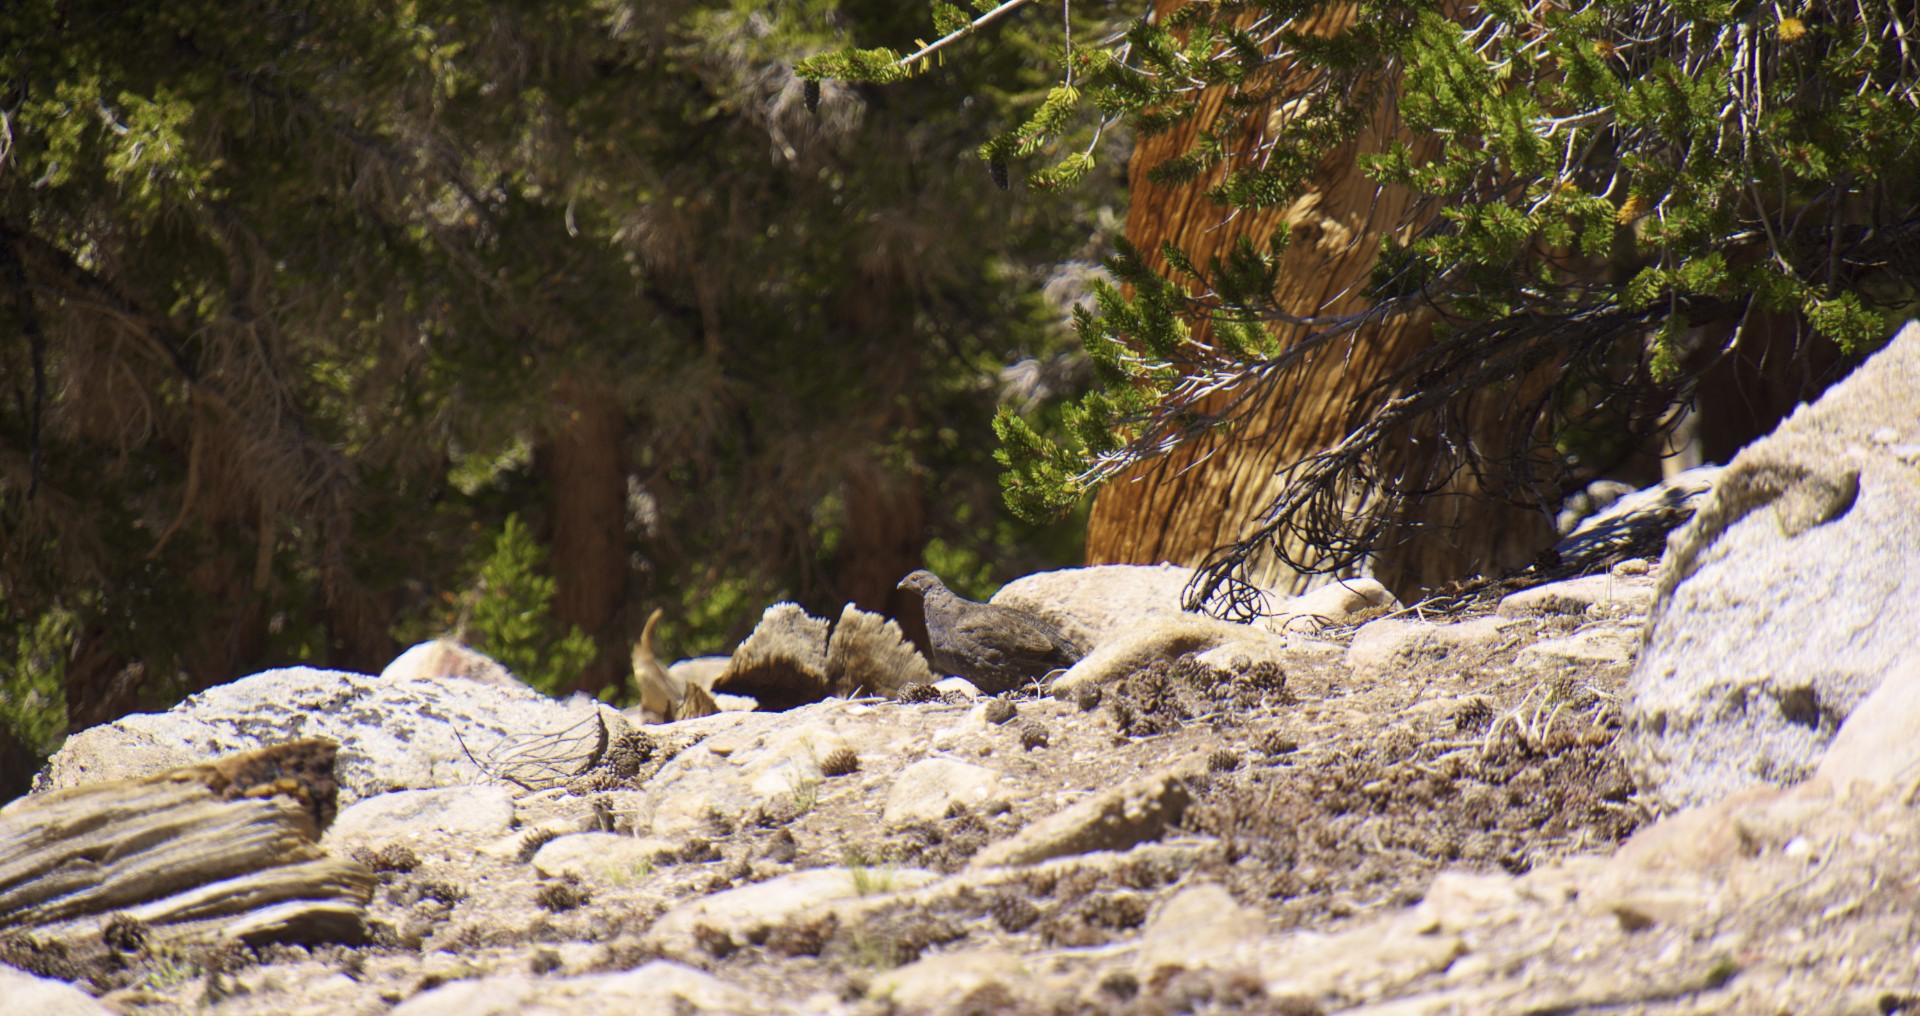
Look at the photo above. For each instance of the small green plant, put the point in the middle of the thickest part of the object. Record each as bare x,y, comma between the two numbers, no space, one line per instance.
634,874
874,950
33,701
508,614
866,879
805,794
168,969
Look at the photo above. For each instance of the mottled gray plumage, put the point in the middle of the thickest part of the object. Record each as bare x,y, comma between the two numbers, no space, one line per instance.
997,648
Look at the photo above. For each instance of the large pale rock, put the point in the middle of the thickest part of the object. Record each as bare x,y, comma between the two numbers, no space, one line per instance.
1203,928
1090,606
1791,594
393,735
1198,920
1604,645
1166,636
658,987
1114,819
1879,745
761,761
445,657
1335,603
465,812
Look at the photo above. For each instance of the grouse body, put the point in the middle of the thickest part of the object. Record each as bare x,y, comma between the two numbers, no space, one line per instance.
997,648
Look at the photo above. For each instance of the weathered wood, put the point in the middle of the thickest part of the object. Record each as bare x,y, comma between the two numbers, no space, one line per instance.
218,851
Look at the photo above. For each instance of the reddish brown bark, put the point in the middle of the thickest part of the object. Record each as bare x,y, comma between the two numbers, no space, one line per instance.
584,463
884,539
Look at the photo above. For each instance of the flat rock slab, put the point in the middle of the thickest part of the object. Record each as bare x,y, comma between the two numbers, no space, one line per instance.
1603,645
1335,603
1621,594
658,987
1389,645
1164,637
22,994
746,914
1133,812
605,857
393,735
925,985
409,814
759,760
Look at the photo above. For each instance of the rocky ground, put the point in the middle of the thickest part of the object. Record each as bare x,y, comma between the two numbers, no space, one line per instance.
1413,811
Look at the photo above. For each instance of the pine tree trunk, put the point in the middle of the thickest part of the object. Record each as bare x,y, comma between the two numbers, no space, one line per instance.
585,467
1172,510
884,539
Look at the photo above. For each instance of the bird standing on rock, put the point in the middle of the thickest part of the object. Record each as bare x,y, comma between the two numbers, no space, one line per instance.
997,648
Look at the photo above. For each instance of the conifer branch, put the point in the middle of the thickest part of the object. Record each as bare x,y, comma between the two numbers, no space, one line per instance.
952,37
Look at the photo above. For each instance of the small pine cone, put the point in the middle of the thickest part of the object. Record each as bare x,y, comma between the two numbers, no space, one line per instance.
1473,717
1087,697
1033,735
1223,761
1014,914
999,711
918,693
840,762
997,169
1278,743
1267,676
810,93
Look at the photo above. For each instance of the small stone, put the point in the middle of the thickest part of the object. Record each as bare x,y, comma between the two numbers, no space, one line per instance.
999,711
1576,596
926,790
929,984
1131,813
607,857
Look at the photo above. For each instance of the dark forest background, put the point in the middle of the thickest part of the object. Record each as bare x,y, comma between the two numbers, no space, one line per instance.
329,327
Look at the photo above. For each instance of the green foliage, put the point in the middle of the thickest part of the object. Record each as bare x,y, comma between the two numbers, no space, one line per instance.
297,294
1580,173
33,700
509,614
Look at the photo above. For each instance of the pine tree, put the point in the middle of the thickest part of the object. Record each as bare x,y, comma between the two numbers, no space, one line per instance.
1603,198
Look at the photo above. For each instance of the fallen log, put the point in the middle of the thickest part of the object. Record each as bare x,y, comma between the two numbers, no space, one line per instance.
225,852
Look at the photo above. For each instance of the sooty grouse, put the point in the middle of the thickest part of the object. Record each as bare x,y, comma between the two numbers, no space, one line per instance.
997,648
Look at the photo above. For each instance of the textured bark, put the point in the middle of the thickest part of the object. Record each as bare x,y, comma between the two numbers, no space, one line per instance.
585,467
885,538
1174,510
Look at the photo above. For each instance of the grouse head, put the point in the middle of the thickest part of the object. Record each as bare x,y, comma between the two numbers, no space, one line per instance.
922,582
